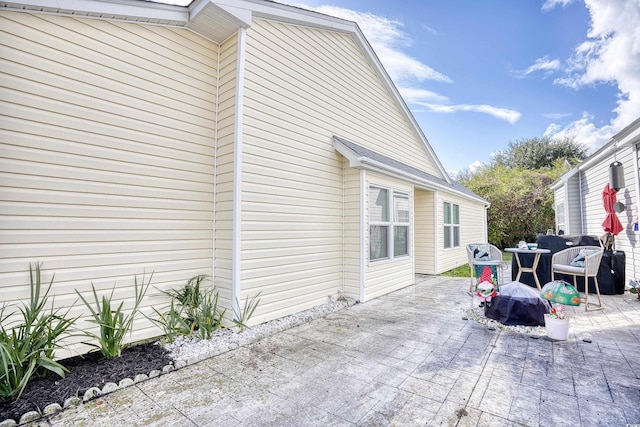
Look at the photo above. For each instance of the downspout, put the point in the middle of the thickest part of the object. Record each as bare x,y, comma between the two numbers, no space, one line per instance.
344,216
237,175
363,246
581,200
486,224
412,235
215,171
567,219
436,246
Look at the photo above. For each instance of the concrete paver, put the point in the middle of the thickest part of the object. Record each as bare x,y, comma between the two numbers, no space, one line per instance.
409,358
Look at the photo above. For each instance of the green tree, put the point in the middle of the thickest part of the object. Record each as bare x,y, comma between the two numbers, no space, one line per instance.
538,153
516,183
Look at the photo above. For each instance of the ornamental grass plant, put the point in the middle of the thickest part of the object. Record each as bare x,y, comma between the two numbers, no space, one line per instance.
113,324
27,347
193,310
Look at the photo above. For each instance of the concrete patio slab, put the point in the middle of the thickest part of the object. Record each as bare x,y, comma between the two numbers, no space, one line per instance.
410,358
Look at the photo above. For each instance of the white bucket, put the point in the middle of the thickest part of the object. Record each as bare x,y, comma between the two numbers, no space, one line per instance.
557,329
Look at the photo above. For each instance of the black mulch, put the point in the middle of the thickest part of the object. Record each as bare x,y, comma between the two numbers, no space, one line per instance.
89,370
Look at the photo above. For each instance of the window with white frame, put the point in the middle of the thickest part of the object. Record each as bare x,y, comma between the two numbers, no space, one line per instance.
560,220
451,225
388,224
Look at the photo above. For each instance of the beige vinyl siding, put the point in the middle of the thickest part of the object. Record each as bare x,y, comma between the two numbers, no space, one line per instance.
424,241
302,86
225,172
328,88
386,276
106,167
351,234
472,223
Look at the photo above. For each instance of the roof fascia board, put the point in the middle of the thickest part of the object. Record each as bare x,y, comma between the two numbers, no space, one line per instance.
132,9
625,137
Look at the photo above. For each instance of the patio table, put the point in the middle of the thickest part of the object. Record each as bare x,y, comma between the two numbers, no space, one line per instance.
532,269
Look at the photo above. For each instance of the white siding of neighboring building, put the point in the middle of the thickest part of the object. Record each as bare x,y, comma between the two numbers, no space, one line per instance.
382,277
573,207
424,241
559,197
594,180
472,223
303,86
106,167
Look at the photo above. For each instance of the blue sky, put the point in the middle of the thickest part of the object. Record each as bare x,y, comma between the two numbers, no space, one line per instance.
478,74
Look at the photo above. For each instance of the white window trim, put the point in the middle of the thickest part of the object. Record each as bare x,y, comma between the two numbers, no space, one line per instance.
391,193
453,226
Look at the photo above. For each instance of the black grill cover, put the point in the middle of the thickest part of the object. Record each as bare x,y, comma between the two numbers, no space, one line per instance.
518,304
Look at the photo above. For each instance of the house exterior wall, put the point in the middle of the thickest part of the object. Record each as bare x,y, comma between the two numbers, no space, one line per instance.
131,148
382,277
472,230
333,89
424,232
302,86
107,157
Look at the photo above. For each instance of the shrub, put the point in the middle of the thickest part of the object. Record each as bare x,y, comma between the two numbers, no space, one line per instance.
192,310
28,348
114,325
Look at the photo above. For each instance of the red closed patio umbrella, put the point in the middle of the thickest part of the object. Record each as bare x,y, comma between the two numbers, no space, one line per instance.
611,222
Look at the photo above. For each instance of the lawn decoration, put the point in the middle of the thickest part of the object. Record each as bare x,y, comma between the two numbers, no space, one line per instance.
562,293
487,286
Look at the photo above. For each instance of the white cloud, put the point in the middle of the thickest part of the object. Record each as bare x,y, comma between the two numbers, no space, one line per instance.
610,55
387,40
473,167
556,116
583,131
417,96
508,115
551,4
544,64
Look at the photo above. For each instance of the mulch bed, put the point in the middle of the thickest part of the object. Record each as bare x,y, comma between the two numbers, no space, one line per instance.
89,370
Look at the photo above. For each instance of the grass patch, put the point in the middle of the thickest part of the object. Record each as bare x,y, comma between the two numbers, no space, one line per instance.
463,270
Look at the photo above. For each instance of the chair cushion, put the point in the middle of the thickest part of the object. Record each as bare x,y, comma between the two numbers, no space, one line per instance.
481,252
578,261
568,269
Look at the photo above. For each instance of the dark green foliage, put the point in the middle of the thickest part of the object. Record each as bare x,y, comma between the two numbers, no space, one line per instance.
192,310
517,186
521,202
27,348
538,153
